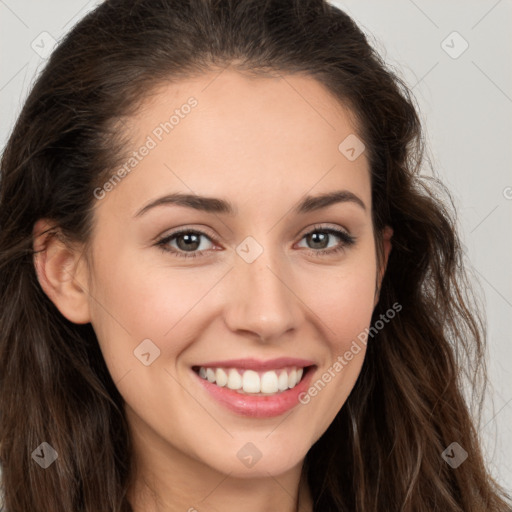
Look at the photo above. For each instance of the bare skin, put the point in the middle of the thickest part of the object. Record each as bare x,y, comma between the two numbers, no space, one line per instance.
262,144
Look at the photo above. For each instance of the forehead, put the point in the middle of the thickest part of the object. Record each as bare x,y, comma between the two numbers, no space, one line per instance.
228,134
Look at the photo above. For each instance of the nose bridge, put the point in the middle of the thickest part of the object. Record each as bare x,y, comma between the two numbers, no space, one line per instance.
260,297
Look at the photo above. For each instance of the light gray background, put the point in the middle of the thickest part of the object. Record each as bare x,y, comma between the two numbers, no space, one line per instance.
466,106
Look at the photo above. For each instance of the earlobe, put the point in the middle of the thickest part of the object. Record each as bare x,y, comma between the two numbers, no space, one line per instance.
61,272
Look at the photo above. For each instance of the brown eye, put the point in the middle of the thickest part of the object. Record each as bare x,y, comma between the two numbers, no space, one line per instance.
318,240
185,241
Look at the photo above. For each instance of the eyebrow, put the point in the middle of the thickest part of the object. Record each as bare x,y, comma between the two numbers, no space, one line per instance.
215,205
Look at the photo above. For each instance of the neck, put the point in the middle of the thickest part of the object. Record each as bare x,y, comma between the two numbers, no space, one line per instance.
158,494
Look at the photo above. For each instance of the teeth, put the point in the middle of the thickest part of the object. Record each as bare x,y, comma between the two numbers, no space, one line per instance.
292,378
250,381
282,382
221,377
234,379
269,382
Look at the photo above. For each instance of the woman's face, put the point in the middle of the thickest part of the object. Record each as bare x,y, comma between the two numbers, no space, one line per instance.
251,295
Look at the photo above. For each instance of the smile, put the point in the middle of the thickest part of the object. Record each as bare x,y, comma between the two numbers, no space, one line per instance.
253,388
253,382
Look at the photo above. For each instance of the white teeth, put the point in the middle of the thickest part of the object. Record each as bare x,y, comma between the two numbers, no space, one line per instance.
282,382
221,377
292,378
234,379
250,381
269,382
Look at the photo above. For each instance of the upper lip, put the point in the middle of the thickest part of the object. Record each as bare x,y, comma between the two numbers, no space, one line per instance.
256,364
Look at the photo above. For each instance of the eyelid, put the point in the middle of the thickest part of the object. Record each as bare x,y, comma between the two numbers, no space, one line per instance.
203,230
206,231
323,227
346,239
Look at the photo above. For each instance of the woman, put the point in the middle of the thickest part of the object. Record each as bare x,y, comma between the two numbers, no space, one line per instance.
223,279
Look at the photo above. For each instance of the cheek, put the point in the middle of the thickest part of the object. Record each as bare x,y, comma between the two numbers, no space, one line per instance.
136,301
344,300
350,309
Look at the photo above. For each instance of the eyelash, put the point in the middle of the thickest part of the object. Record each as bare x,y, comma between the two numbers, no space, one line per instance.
347,241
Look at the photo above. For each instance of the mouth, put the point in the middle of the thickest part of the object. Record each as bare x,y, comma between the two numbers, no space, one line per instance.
256,389
252,382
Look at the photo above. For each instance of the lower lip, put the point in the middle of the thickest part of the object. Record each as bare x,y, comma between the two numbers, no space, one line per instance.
258,406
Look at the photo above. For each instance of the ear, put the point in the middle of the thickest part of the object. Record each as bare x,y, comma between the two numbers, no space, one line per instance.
387,233
61,271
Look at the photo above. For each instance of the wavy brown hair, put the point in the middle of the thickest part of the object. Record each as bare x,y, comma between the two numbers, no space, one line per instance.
383,450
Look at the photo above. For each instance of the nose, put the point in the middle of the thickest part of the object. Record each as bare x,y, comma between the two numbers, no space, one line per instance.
262,301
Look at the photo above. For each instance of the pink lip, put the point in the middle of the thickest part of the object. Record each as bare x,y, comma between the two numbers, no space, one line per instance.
258,406
255,364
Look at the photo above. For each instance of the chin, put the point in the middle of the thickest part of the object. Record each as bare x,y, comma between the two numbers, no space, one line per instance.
257,459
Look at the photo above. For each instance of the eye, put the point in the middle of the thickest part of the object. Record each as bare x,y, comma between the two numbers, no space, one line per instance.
320,237
188,243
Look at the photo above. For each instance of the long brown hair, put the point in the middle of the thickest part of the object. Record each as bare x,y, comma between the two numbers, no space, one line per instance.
383,450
